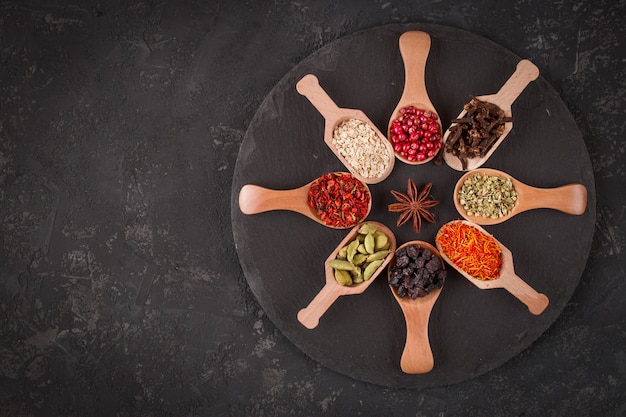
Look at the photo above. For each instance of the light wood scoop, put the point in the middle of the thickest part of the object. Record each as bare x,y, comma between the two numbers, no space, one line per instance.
254,199
525,72
536,302
414,49
570,199
309,87
417,356
310,315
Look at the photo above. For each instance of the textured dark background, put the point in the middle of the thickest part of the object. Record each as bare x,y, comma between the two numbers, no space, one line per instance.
120,289
470,331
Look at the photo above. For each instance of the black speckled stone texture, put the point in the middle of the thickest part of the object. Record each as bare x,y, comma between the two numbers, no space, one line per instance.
282,253
121,292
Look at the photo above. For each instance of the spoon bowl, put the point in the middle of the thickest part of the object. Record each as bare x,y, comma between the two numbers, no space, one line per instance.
525,72
414,48
507,279
310,315
417,356
309,87
254,199
570,198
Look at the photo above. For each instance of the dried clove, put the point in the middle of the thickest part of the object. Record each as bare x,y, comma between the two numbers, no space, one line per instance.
474,134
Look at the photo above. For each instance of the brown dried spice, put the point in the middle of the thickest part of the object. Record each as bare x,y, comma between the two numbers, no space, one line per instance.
413,205
474,134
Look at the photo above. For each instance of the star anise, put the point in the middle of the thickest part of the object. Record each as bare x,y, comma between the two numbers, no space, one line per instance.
414,205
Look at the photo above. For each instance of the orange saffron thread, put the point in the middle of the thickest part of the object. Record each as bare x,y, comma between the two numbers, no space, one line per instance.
471,250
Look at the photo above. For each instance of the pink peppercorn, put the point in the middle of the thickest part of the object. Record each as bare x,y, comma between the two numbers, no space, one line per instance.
415,134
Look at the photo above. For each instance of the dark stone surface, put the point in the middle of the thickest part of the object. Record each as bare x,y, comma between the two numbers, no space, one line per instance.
121,292
282,254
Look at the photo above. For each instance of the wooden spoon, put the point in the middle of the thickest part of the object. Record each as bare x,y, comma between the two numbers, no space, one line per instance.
525,72
417,356
310,315
309,87
254,199
570,199
414,49
536,302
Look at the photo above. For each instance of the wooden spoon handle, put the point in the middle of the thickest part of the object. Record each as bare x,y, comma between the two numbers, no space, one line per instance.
525,72
310,315
309,86
535,301
417,357
414,48
570,199
254,199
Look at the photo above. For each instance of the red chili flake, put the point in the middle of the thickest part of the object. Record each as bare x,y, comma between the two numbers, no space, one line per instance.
340,199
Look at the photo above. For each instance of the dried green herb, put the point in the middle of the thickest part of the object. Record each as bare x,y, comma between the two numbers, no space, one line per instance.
489,196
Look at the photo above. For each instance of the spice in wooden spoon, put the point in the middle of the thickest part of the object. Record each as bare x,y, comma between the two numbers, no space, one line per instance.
416,293
488,196
470,155
485,262
350,135
473,135
332,289
337,200
414,126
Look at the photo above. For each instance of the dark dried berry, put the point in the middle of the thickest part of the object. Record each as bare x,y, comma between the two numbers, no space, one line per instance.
412,251
402,291
402,261
433,265
416,272
395,279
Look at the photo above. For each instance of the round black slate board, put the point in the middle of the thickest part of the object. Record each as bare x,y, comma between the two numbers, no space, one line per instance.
282,253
